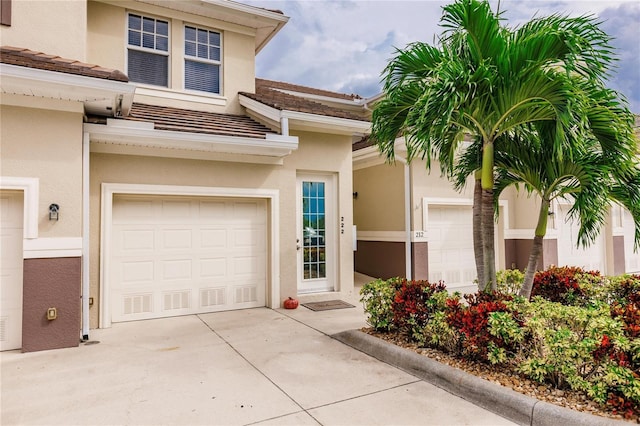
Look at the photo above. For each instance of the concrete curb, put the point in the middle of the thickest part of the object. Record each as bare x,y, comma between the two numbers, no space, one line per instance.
505,402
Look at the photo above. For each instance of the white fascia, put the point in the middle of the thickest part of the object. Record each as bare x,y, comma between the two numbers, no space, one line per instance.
131,134
358,103
306,120
370,156
57,85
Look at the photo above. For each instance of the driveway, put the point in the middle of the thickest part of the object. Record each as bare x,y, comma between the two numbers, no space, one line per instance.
255,366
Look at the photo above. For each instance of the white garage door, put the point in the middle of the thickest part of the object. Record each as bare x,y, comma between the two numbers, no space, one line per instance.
11,205
180,255
450,233
591,258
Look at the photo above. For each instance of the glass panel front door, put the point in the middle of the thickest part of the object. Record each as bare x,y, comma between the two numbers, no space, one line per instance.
314,230
315,239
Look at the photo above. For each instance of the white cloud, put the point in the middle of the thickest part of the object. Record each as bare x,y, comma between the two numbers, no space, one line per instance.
345,45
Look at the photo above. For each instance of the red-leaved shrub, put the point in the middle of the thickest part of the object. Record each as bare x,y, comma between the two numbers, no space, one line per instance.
472,322
412,306
560,284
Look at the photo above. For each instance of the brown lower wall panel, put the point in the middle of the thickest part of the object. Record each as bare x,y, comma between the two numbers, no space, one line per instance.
380,259
618,255
420,261
51,283
517,251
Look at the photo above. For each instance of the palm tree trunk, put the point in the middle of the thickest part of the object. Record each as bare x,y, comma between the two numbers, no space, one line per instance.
487,222
488,246
477,230
536,249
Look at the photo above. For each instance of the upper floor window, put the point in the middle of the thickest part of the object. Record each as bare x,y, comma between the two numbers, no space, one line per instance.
202,60
148,50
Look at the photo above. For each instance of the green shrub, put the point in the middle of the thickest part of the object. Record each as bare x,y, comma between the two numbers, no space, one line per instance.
509,281
377,298
588,340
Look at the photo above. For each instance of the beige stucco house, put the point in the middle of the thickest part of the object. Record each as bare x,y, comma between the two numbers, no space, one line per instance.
145,172
412,223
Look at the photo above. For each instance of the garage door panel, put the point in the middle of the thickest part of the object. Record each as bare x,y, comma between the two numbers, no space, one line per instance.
213,267
212,209
132,211
179,269
213,238
174,209
135,240
451,256
137,271
193,256
177,239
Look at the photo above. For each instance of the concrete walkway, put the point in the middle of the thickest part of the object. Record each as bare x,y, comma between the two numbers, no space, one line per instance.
256,366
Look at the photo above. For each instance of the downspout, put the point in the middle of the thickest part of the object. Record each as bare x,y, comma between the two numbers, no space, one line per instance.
284,126
85,237
407,217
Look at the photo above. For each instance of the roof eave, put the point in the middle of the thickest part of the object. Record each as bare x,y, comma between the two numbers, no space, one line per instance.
307,121
143,138
266,23
99,96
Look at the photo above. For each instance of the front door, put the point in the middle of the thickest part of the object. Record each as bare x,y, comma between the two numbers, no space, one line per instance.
316,237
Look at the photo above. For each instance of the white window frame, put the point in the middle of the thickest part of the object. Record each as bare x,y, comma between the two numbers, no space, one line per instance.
146,49
202,60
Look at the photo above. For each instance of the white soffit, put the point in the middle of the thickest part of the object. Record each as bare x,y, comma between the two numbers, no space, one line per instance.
100,96
122,137
266,23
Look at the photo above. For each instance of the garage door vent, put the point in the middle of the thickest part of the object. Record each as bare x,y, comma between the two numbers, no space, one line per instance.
3,329
212,297
246,294
177,300
137,303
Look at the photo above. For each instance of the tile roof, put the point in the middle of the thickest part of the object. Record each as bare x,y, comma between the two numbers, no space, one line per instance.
270,93
183,120
261,82
362,144
30,59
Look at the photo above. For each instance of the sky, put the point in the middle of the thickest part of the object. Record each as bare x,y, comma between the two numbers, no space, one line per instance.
344,45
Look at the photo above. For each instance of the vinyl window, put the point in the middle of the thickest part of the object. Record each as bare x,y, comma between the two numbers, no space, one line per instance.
202,51
148,50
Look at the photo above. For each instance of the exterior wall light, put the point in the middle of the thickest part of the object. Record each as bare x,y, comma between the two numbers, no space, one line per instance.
54,210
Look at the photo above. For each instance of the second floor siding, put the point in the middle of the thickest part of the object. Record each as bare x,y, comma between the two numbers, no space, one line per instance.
54,27
177,59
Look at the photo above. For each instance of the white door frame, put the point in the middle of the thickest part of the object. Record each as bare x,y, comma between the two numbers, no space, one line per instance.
331,230
106,219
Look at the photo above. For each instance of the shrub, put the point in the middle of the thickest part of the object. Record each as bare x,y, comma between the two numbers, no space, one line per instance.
377,298
509,281
581,348
414,304
562,285
489,330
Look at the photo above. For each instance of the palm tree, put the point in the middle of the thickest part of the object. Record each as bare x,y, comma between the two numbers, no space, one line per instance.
603,167
487,81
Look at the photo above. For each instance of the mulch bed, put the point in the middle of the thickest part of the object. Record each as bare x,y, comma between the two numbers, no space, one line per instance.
505,376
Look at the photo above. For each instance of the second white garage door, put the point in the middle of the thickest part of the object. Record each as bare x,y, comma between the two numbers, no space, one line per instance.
591,258
450,233
184,255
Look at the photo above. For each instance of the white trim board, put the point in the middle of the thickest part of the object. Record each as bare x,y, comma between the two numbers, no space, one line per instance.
106,219
41,248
